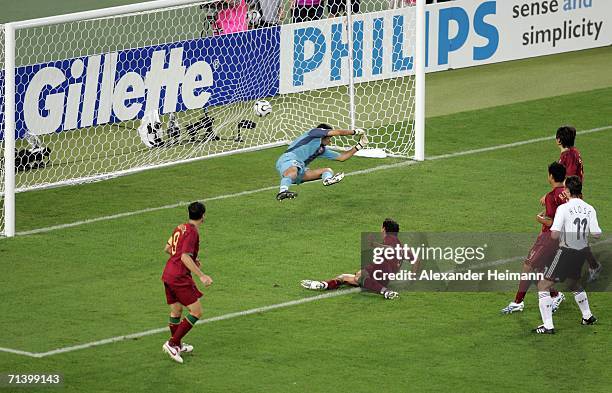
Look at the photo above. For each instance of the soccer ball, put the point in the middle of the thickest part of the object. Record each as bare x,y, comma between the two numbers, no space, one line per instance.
262,108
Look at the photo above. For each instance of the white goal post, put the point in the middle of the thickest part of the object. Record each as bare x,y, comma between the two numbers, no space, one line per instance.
99,94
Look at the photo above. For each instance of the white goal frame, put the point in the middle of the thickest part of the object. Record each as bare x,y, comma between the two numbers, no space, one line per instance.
10,30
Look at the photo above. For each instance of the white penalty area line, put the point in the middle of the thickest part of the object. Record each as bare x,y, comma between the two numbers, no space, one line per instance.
258,190
224,317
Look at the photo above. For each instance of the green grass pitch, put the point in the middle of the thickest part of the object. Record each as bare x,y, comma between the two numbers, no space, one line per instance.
99,280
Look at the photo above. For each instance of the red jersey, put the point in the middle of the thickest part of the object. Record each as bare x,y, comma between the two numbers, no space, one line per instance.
185,239
553,199
572,161
390,265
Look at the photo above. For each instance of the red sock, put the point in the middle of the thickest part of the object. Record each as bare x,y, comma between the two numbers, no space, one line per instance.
173,323
333,284
554,292
182,329
522,291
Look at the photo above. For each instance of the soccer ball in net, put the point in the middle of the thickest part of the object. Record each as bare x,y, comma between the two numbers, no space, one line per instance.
262,108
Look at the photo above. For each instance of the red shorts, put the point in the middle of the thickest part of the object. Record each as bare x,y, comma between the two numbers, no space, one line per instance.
184,294
542,252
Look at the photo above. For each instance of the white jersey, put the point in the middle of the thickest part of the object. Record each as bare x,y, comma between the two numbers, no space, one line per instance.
575,219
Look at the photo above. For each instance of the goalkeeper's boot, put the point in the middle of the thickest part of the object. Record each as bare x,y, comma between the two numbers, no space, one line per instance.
285,195
390,294
314,285
589,321
337,178
557,300
513,307
542,330
186,348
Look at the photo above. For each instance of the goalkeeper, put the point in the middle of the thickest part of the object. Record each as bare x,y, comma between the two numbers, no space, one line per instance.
292,165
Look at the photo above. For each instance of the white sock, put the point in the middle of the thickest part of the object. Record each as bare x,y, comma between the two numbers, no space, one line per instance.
546,303
283,188
583,302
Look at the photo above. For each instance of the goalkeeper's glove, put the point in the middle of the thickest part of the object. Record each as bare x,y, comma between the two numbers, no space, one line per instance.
363,142
358,131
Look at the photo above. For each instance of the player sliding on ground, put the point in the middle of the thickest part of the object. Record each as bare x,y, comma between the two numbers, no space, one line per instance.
544,249
364,278
181,291
574,221
292,165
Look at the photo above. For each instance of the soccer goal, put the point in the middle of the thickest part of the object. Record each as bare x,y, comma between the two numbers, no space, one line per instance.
94,95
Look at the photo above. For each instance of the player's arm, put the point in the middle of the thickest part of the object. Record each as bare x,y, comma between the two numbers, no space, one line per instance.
363,142
594,228
168,247
346,155
543,200
544,220
344,132
557,225
193,268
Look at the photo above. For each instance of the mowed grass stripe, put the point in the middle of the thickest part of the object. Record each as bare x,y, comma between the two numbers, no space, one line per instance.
258,190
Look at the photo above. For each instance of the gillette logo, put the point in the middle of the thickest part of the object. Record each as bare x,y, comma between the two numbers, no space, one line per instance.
93,91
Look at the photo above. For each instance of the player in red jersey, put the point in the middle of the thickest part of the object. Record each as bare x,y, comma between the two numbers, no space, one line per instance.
181,291
365,278
571,158
544,248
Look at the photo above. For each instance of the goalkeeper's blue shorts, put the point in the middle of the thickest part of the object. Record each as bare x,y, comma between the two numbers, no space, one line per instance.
286,161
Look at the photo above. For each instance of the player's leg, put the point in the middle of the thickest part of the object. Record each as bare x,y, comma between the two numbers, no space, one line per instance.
574,262
368,282
288,178
580,296
176,310
327,174
316,174
334,283
540,256
517,304
546,304
594,266
195,313
556,271
289,172
190,296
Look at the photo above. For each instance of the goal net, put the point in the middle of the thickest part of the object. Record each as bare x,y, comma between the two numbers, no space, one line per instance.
111,92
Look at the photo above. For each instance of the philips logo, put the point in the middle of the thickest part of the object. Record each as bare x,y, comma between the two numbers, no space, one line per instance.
319,51
314,55
112,87
339,50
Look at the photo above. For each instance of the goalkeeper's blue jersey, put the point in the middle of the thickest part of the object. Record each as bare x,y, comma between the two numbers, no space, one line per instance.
309,146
